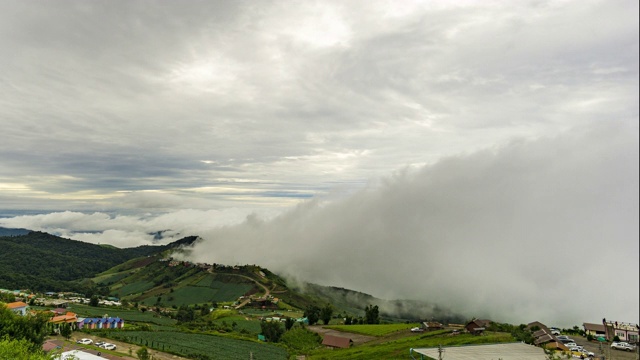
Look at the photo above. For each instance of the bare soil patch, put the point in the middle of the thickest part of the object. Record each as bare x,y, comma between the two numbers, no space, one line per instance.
357,338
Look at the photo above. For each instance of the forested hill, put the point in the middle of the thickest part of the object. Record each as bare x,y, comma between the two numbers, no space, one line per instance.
41,261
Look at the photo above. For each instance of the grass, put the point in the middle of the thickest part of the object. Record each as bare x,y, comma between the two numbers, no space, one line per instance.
134,288
372,330
399,349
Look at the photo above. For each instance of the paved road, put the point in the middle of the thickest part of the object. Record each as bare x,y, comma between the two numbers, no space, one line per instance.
606,350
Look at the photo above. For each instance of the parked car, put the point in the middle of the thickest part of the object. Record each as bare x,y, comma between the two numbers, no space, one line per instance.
85,341
100,343
555,332
108,346
417,329
571,345
560,337
623,346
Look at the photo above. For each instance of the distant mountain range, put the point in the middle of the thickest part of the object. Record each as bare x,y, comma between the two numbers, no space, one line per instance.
43,262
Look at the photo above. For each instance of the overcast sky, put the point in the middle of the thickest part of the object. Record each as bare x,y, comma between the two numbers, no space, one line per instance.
482,154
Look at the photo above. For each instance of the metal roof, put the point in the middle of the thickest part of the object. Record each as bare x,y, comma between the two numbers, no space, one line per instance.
507,351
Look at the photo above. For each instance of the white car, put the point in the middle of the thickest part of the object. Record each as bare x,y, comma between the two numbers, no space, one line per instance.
417,329
623,346
85,341
108,346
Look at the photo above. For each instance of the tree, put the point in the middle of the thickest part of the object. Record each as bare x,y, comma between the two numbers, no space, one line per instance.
185,314
347,320
20,350
312,314
94,301
65,330
325,313
271,330
372,314
288,323
33,329
143,353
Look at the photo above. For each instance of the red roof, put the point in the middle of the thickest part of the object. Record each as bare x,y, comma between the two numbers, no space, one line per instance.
336,341
15,305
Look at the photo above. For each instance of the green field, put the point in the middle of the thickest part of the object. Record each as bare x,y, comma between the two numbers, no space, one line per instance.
372,330
111,278
252,326
399,349
134,288
191,345
194,294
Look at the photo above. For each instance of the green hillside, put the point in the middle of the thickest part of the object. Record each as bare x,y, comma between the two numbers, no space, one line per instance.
41,261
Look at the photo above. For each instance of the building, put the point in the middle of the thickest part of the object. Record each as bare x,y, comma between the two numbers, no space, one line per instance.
18,307
67,318
539,326
100,323
477,326
431,325
506,351
624,331
339,342
595,330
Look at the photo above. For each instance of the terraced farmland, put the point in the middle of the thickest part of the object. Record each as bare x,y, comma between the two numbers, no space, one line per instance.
205,346
134,288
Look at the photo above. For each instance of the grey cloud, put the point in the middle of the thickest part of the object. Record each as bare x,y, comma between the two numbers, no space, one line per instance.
504,232
157,107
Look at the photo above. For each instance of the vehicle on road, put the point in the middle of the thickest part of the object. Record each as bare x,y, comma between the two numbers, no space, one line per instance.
100,343
417,329
84,341
108,346
623,346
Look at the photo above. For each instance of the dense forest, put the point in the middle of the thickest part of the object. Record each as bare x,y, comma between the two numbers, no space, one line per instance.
44,262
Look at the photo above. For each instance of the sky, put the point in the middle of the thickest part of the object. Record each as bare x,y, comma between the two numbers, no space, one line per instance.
478,154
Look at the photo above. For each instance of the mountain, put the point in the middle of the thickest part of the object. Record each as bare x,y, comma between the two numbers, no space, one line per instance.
41,261
13,232
147,275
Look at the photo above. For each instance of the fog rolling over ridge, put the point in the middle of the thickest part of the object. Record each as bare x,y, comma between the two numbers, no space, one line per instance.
534,230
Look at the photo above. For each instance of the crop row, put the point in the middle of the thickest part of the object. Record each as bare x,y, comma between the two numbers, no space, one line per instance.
201,346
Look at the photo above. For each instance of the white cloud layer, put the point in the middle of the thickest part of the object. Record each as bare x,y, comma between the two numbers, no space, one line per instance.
513,120
515,232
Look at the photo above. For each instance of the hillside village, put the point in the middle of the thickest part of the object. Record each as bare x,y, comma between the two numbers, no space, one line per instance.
60,308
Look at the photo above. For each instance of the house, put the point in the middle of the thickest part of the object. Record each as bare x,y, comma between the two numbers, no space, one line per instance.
595,330
52,345
431,325
477,326
539,326
18,307
59,311
68,318
101,323
544,338
339,342
624,331
556,345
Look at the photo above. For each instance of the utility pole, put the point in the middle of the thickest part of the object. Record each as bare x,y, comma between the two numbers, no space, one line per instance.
440,351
